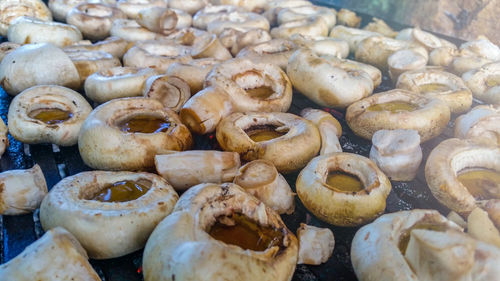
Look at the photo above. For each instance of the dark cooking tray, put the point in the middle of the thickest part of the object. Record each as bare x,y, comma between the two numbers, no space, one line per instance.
17,232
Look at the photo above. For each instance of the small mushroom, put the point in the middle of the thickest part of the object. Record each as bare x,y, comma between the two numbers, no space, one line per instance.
163,20
379,26
94,20
156,54
348,18
113,45
329,129
171,91
132,7
482,122
315,244
130,30
193,72
484,82
89,62
343,189
22,191
188,6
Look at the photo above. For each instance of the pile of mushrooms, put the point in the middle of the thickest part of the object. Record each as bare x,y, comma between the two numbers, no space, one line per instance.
137,84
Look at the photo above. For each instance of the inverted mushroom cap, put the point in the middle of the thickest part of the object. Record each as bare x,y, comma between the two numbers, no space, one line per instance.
94,20
28,124
480,122
181,245
337,207
107,229
484,82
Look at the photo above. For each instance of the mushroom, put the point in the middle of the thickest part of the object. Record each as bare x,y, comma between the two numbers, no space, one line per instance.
379,26
171,91
12,9
163,20
353,36
56,256
397,153
238,20
474,54
189,168
329,129
327,80
423,38
156,54
236,39
286,140
289,14
484,82
210,13
421,245
116,46
89,62
311,26
132,7
275,6
256,6
315,244
47,114
376,50
126,134
4,140
6,48
461,173
188,6
193,72
218,231
323,46
405,60
209,46
261,179
130,30
94,20
343,189
110,213
439,84
398,109
22,191
348,18
49,65
26,30
237,85
116,82
480,123
275,51
60,8
482,227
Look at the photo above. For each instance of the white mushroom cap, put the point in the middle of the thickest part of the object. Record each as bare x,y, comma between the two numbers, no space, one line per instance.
315,244
11,9
48,65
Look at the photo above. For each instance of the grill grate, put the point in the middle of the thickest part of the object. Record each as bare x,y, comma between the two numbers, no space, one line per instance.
17,232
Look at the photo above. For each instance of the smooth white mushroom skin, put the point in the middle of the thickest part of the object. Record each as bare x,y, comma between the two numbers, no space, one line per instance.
22,191
315,244
484,82
261,179
397,153
56,256
48,65
481,227
185,169
12,9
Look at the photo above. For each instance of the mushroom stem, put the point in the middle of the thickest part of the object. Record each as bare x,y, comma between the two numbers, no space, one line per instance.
185,169
22,190
329,129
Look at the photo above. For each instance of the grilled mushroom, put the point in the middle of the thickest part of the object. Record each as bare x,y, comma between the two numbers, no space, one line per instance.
48,114
93,19
220,232
110,213
286,140
12,9
485,82
126,134
171,91
193,72
482,122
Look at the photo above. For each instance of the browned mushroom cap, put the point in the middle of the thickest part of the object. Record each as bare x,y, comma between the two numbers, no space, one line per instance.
237,40
171,91
126,134
163,20
481,123
398,109
329,129
379,26
94,20
287,140
12,9
199,227
439,84
485,82
93,205
460,173
60,8
343,189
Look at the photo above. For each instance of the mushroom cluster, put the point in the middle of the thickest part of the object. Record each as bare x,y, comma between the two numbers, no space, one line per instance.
234,104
